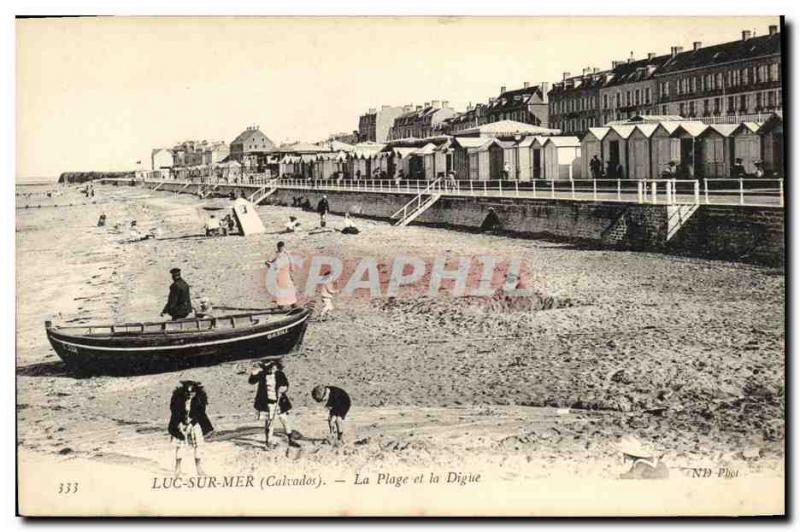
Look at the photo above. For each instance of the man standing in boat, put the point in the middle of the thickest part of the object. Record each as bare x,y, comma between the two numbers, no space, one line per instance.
179,304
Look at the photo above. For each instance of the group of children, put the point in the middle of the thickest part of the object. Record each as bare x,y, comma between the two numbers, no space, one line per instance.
189,423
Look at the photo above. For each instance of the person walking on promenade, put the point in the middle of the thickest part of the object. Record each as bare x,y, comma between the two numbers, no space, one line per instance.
285,293
337,401
188,422
323,208
596,167
179,303
272,400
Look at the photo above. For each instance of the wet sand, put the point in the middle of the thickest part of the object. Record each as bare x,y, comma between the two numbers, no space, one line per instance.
684,353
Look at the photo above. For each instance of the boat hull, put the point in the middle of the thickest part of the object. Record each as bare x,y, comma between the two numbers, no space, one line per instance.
130,355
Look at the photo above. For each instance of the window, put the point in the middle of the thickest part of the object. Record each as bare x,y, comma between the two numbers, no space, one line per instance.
778,99
771,99
691,109
636,95
618,100
663,109
716,106
694,83
682,109
627,98
647,95
731,105
605,101
743,103
705,107
745,76
719,80
774,72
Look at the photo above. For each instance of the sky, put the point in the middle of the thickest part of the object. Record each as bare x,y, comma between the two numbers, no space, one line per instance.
101,93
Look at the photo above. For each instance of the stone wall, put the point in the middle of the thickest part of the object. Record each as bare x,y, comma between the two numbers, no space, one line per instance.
751,234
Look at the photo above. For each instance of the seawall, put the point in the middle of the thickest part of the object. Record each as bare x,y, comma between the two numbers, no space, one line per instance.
741,233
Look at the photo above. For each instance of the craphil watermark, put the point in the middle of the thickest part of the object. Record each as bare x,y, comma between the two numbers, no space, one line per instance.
478,276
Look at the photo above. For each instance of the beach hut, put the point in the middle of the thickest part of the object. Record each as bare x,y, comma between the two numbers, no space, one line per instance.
562,157
747,145
615,146
664,149
639,149
715,150
525,159
687,134
771,133
462,158
443,157
591,145
510,158
537,157
486,160
428,160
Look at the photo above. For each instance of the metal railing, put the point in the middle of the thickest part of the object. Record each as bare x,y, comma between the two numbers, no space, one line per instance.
417,202
717,191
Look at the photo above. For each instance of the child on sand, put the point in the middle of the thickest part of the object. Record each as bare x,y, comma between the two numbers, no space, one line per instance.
326,293
188,423
338,404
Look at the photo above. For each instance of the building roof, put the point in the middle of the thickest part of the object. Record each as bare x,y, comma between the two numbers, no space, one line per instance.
248,134
772,122
633,71
507,128
645,119
693,129
747,127
595,80
564,142
302,147
622,130
724,130
645,129
598,132
738,50
469,142
427,149
514,99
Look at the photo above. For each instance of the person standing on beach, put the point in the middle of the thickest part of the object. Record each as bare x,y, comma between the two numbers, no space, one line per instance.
286,294
326,293
188,422
179,303
272,399
323,208
337,401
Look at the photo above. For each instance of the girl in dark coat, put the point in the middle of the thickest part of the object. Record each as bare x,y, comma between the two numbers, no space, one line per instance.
188,422
271,399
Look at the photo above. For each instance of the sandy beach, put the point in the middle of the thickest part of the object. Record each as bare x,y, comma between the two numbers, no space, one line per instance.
686,354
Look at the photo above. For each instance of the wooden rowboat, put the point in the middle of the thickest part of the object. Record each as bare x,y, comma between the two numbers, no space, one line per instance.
154,347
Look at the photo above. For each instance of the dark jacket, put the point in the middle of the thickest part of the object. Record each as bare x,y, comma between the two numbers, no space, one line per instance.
179,304
197,412
261,403
323,207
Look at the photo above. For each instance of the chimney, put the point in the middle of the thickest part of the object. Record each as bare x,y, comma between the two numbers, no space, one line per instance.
565,75
427,104
525,84
746,34
595,70
773,30
615,64
651,56
675,50
696,45
630,58
502,89
445,103
436,103
419,108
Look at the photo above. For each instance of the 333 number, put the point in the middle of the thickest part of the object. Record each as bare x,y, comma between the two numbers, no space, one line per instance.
67,488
